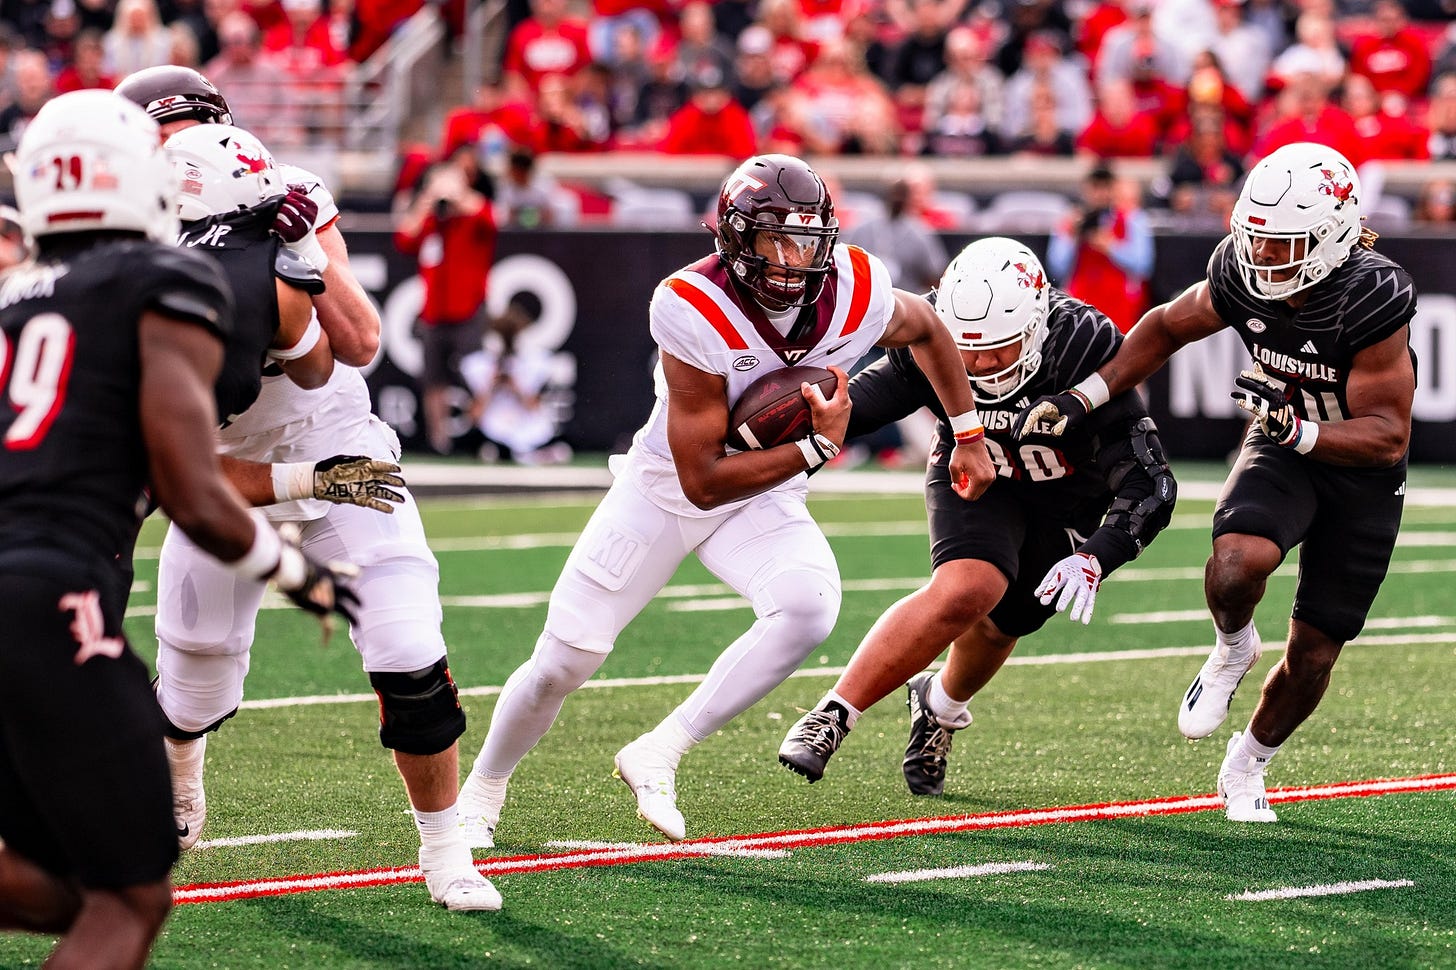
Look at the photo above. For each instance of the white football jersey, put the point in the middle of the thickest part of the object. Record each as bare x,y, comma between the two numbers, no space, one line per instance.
696,319
288,423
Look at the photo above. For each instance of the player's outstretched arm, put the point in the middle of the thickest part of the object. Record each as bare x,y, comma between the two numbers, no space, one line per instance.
300,347
915,325
697,430
341,479
1149,344
344,308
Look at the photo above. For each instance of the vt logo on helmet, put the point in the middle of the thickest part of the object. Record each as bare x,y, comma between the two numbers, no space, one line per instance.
994,295
776,230
1296,219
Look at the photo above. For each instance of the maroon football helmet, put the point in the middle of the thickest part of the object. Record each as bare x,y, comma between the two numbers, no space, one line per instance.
776,230
172,93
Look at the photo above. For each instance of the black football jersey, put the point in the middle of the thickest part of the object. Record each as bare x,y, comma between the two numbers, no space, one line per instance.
246,249
1366,299
1066,479
73,465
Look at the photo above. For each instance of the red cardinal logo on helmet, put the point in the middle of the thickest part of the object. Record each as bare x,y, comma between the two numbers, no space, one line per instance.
254,165
1028,280
1332,186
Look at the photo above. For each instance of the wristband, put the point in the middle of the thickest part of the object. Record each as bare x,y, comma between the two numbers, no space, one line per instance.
309,248
1308,435
312,334
970,437
817,449
968,422
292,480
1092,389
263,557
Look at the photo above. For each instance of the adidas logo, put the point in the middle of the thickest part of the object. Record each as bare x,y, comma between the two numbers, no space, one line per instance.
1309,348
1401,489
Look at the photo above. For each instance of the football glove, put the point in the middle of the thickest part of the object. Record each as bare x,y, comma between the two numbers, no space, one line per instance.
318,588
1050,416
296,215
1077,577
1259,395
358,480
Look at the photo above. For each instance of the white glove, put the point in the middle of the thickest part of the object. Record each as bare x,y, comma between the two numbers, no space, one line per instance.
1078,577
311,250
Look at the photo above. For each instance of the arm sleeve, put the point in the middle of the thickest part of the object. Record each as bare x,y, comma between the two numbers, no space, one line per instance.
1130,458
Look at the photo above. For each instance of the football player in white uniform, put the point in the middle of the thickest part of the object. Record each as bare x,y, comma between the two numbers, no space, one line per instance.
777,291
205,615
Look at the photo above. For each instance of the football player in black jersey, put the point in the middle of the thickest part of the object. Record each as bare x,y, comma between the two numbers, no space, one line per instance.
1327,322
112,337
1053,524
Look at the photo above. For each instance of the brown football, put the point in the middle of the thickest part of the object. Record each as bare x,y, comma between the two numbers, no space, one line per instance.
772,409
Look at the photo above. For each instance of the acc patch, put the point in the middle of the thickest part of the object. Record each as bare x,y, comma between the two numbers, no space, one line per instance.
748,362
1256,325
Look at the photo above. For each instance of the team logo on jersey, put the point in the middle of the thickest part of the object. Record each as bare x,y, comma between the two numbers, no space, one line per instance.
89,627
794,356
1333,186
1256,325
1028,280
748,362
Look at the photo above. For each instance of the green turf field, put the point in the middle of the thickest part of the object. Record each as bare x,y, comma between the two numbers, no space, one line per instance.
1147,891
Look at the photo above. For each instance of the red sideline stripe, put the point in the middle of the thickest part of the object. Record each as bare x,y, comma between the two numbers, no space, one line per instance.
714,314
859,300
803,838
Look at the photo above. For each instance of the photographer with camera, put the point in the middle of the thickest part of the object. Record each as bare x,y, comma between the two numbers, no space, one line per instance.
451,228
1102,252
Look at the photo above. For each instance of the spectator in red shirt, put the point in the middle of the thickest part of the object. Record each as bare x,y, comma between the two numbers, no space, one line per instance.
1209,87
1103,251
304,40
85,69
1306,114
842,107
1118,129
490,118
711,123
559,125
1381,123
544,44
790,54
1206,174
1395,56
450,228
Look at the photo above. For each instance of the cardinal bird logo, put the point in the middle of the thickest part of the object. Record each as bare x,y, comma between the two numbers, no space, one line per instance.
254,165
1333,186
1028,280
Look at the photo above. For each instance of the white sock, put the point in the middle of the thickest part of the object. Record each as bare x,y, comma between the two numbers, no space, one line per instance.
950,712
187,755
1261,753
1238,643
437,827
672,738
851,713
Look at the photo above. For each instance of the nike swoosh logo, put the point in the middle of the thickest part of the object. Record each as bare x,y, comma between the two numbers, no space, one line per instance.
836,348
183,831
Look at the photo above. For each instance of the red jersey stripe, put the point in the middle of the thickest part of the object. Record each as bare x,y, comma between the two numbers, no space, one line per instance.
859,300
713,313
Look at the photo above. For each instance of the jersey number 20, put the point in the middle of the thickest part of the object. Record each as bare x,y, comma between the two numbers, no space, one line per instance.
36,370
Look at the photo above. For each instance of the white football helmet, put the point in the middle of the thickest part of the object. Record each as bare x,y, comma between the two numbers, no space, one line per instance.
91,160
221,169
993,294
1309,195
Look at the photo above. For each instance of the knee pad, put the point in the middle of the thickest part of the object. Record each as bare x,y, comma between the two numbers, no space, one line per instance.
176,733
807,601
197,691
419,711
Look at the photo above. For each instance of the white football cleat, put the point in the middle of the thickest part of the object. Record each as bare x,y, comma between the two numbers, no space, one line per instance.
1206,703
453,880
186,760
652,778
479,808
1241,785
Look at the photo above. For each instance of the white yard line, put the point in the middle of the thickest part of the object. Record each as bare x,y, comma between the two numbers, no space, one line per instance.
311,835
656,847
1328,889
958,872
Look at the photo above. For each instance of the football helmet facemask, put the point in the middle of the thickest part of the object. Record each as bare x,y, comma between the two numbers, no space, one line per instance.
173,93
1308,196
993,294
221,169
776,230
90,160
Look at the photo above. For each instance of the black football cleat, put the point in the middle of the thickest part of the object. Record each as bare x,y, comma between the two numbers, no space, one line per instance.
810,742
929,748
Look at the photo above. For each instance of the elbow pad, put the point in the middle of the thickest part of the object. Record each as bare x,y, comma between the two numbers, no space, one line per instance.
1144,518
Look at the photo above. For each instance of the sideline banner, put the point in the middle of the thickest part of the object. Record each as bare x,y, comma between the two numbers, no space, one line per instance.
588,292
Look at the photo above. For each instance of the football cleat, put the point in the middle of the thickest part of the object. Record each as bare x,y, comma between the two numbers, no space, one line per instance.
189,800
652,778
929,749
454,882
479,808
1241,785
810,742
1206,703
